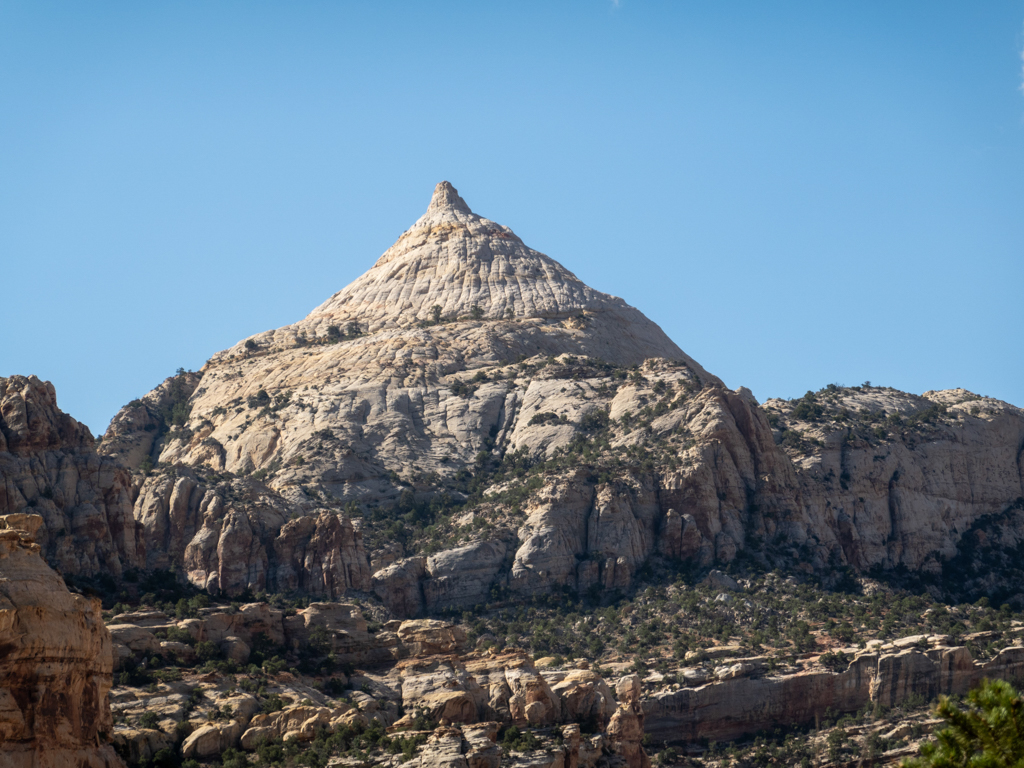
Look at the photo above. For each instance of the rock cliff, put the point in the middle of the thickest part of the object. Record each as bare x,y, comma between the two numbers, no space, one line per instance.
918,667
889,479
55,664
49,467
236,535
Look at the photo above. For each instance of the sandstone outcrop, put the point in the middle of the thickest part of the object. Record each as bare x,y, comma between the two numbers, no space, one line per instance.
321,556
893,479
55,669
292,724
470,695
239,535
884,676
421,667
339,627
49,467
211,740
454,578
139,430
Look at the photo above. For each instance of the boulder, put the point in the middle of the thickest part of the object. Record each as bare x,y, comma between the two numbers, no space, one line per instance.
423,637
718,580
211,740
235,649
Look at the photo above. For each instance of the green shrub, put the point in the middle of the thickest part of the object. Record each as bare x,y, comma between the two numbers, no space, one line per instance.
807,408
595,420
835,661
206,651
519,741
547,417
260,400
272,704
232,758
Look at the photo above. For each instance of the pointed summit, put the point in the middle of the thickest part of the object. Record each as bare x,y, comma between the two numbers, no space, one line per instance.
446,198
456,260
446,208
455,272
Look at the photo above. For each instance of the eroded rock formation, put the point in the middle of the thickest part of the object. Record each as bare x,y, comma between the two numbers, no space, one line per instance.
55,664
240,535
890,479
460,349
732,706
423,668
49,467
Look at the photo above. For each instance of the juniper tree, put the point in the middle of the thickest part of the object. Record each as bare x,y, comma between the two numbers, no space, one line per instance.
987,732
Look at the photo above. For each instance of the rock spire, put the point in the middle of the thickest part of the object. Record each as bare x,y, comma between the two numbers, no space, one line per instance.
446,198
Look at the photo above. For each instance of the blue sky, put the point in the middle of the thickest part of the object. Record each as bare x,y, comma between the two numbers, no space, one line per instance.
798,193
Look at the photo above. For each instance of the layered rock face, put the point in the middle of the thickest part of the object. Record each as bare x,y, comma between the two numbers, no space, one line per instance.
389,394
49,467
919,667
55,668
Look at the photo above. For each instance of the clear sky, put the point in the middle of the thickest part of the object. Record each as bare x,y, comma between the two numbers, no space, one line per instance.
798,193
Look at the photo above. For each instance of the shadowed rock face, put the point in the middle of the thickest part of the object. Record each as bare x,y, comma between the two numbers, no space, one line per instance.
49,467
55,661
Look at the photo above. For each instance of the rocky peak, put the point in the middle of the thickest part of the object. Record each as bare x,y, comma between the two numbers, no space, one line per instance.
446,200
464,264
456,279
30,420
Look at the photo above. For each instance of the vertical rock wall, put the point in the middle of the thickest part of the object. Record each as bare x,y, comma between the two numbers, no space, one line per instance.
55,662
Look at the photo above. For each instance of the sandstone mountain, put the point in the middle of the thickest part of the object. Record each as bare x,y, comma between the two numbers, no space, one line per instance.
395,368
468,418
